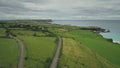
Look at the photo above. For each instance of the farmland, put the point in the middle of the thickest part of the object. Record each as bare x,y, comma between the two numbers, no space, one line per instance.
97,44
24,32
8,53
80,49
39,51
75,55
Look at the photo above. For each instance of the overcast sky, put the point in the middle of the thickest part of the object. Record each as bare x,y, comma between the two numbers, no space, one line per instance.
60,9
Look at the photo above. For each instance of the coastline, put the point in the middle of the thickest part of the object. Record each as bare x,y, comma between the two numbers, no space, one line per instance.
101,31
109,39
116,42
109,25
96,29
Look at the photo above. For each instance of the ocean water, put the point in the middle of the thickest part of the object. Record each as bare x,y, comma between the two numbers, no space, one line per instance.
112,25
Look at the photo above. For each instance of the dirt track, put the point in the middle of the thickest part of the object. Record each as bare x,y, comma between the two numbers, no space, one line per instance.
21,54
56,56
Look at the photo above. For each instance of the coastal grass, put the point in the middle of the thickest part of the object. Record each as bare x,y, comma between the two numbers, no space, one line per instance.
97,44
75,55
39,51
8,53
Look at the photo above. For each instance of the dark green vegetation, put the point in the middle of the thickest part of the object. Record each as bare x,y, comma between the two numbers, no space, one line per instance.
82,47
2,32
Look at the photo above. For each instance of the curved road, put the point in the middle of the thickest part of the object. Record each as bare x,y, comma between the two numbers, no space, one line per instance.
21,54
57,54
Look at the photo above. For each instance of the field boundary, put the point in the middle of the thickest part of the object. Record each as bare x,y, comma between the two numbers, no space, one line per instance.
21,53
57,54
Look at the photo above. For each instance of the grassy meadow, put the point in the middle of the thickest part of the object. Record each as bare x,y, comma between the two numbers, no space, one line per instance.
8,53
97,44
39,51
75,55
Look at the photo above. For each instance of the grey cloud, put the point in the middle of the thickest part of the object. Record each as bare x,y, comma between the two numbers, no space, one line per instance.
37,1
58,8
93,11
11,4
12,7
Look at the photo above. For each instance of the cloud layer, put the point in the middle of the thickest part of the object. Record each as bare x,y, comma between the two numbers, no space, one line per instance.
60,9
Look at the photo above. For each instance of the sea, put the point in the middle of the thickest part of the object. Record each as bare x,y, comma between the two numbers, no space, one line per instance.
112,25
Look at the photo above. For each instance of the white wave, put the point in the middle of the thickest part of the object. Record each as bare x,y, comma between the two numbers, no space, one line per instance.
117,42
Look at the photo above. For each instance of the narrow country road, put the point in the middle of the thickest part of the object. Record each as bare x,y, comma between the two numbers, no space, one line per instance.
56,56
21,54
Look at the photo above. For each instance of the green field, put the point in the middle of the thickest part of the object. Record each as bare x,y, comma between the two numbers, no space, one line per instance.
39,51
81,48
8,53
75,55
97,44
